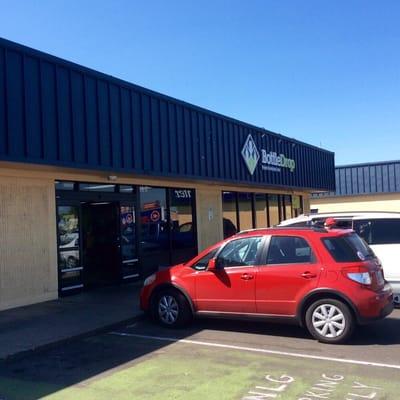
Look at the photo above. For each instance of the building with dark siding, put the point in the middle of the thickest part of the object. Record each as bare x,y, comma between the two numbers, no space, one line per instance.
103,181
362,187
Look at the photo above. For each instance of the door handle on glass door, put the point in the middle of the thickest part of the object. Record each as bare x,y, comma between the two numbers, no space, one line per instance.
246,277
308,275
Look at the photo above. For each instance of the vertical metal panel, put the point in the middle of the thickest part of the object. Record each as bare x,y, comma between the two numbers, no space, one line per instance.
92,123
214,147
155,147
354,181
209,152
104,123
367,179
137,131
15,104
202,137
235,139
115,126
343,181
379,179
188,156
180,140
32,107
360,180
49,111
172,136
397,176
146,132
64,114
337,178
126,127
220,148
3,110
78,118
373,179
164,144
195,143
392,183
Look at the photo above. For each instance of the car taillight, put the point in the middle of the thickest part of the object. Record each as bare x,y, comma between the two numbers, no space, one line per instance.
359,274
361,277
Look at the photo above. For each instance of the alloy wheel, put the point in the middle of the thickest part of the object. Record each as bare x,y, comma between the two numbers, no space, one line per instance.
328,320
168,309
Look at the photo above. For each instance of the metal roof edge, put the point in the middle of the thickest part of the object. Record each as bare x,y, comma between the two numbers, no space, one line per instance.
367,164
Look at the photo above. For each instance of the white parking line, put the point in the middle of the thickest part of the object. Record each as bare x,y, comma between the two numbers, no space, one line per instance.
258,350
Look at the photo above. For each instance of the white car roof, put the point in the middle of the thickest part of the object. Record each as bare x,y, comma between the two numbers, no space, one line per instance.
356,215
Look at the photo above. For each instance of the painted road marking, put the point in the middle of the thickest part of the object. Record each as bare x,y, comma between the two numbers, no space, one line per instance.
258,350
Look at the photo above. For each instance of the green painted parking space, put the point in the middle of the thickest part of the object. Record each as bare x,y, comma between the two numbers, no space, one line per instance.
197,371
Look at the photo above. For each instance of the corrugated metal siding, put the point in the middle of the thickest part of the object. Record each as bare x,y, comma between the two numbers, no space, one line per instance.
359,179
59,113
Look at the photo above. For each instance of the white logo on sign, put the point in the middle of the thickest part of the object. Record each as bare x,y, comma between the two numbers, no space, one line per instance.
250,154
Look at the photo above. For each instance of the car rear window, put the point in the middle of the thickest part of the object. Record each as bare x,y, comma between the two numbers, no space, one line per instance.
348,248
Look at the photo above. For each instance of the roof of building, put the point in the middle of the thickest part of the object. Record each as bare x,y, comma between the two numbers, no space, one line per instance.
366,178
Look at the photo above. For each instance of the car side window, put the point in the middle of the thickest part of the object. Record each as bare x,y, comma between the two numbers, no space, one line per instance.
239,252
201,264
289,250
379,231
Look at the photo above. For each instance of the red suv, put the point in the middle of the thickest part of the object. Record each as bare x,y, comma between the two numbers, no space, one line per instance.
328,280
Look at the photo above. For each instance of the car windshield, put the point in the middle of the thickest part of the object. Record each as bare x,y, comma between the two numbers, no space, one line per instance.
348,248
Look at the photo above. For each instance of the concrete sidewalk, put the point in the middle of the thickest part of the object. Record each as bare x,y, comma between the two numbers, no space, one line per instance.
40,325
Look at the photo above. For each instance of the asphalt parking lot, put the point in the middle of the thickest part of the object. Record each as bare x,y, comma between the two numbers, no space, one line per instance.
212,359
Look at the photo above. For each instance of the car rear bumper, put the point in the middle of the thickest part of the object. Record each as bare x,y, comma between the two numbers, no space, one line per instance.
396,292
378,306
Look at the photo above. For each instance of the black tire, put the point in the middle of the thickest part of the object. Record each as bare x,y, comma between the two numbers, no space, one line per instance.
174,304
341,323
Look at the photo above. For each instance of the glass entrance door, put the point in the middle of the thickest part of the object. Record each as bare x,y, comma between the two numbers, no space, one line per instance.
129,255
168,227
69,255
183,225
101,243
155,238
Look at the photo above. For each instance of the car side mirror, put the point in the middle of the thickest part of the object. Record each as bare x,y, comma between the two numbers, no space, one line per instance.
212,264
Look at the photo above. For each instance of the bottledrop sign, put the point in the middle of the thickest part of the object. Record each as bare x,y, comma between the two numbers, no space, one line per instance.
270,160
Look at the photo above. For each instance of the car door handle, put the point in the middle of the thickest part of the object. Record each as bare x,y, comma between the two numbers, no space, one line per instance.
246,277
308,275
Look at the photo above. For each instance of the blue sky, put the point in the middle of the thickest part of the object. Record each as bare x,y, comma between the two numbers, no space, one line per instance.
325,72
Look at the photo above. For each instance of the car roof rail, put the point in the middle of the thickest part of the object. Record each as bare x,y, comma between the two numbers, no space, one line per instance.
314,228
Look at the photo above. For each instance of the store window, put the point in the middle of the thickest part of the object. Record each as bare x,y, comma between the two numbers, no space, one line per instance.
230,214
287,203
245,204
261,210
297,205
273,209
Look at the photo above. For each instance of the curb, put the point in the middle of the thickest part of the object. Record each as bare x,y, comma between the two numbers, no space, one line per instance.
82,335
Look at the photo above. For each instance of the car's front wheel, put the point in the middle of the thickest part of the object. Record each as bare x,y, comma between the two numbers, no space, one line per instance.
171,308
330,321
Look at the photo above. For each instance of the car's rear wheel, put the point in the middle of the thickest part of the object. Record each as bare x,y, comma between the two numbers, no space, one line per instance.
330,321
171,308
